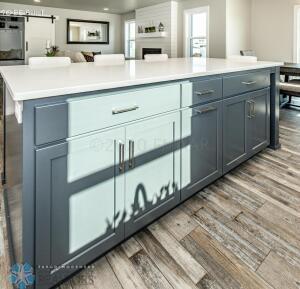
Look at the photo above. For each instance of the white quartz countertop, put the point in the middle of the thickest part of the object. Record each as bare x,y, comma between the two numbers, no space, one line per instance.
24,82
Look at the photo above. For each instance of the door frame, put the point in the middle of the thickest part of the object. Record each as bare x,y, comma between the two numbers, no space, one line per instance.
187,28
126,41
296,44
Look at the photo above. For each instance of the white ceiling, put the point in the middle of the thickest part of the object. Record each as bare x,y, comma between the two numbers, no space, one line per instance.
115,6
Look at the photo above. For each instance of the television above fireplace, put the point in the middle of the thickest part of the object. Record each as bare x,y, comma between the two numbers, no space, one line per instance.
151,51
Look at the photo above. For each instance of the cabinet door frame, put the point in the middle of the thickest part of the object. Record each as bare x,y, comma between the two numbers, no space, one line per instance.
46,274
133,225
243,157
188,191
44,158
257,148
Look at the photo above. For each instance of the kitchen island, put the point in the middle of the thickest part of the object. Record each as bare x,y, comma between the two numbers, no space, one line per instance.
95,153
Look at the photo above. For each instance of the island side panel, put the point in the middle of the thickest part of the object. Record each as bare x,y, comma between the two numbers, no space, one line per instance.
12,177
29,182
275,108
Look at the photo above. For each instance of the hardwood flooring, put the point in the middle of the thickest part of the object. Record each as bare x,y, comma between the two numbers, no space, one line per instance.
242,232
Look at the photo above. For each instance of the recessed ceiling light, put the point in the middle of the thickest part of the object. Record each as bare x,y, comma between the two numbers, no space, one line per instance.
105,9
37,1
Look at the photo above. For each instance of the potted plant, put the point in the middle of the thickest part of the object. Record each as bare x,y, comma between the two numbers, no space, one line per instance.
52,51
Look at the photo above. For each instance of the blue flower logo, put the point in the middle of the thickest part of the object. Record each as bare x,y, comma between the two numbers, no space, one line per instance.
22,275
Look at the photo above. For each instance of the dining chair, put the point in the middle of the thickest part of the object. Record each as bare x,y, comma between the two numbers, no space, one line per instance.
247,52
109,59
156,57
290,89
49,61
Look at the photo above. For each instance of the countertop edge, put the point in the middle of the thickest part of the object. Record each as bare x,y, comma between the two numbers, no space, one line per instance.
39,94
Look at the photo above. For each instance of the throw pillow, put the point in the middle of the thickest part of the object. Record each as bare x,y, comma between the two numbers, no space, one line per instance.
78,57
89,56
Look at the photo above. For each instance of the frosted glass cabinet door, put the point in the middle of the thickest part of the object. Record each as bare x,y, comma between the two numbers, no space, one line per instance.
80,198
153,170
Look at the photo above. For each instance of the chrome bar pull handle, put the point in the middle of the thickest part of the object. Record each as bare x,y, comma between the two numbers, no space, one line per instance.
131,154
253,111
205,92
123,110
249,82
249,103
121,157
205,110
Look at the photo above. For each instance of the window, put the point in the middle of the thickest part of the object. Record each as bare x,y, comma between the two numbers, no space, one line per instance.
130,39
196,21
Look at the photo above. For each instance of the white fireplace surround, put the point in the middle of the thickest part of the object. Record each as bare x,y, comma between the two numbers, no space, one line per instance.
165,13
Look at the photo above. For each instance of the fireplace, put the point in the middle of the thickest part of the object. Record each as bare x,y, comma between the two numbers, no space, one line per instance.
151,51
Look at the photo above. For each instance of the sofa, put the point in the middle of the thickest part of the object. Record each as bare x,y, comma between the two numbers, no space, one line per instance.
12,54
78,56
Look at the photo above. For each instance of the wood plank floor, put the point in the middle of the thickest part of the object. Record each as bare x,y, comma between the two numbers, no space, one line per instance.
241,232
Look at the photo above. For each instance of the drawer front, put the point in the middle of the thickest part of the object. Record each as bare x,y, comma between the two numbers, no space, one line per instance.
204,91
51,123
234,85
82,115
95,113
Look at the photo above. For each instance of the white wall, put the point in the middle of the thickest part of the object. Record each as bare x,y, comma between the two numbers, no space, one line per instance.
238,26
217,25
153,15
61,27
273,29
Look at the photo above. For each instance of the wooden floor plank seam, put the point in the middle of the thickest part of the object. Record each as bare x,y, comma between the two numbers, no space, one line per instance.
113,272
263,260
266,197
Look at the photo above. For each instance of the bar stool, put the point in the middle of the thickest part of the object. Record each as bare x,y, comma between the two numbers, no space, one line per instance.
109,59
156,57
49,61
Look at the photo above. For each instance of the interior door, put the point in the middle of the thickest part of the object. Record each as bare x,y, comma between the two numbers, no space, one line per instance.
153,170
201,147
258,124
79,199
37,32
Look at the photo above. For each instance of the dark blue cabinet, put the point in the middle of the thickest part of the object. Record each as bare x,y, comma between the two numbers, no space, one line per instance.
103,165
258,122
246,126
234,131
201,148
152,177
79,202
